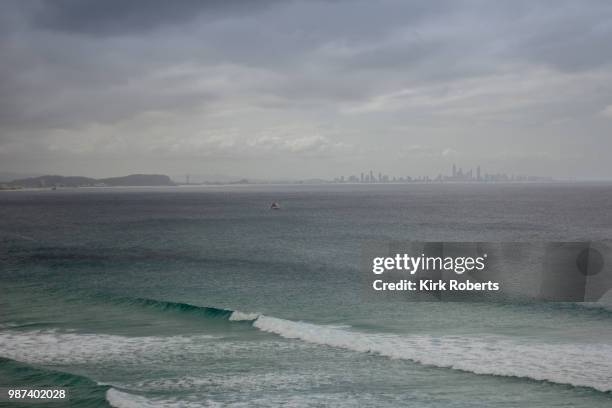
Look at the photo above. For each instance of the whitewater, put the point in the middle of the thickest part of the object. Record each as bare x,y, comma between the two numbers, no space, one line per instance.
579,365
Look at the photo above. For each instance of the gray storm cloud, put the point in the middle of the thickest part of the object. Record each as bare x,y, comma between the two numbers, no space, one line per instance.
318,88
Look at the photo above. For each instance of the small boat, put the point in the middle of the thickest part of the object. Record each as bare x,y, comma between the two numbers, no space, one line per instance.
275,206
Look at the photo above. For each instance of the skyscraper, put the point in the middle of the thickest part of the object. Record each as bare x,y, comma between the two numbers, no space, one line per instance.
454,170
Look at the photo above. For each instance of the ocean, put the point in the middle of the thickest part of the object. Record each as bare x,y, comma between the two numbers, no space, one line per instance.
204,297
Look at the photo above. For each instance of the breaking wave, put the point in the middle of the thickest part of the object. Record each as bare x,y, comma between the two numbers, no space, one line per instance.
580,365
122,399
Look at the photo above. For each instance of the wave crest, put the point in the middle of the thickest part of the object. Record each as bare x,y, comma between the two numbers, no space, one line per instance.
240,316
581,365
121,399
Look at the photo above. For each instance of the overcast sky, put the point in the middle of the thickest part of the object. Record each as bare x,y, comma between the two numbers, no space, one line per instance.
304,89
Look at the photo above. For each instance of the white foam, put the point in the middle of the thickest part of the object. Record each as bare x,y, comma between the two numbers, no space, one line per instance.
53,347
120,399
235,382
240,316
588,365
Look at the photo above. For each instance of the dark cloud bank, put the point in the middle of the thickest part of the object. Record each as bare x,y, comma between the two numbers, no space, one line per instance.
305,88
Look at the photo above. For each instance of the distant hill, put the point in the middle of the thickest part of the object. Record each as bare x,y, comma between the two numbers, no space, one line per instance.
138,180
76,181
6,177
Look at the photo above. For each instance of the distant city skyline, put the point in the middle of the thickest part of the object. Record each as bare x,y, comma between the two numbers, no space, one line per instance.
457,175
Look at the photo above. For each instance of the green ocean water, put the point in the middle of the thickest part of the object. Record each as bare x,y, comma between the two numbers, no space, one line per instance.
202,296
